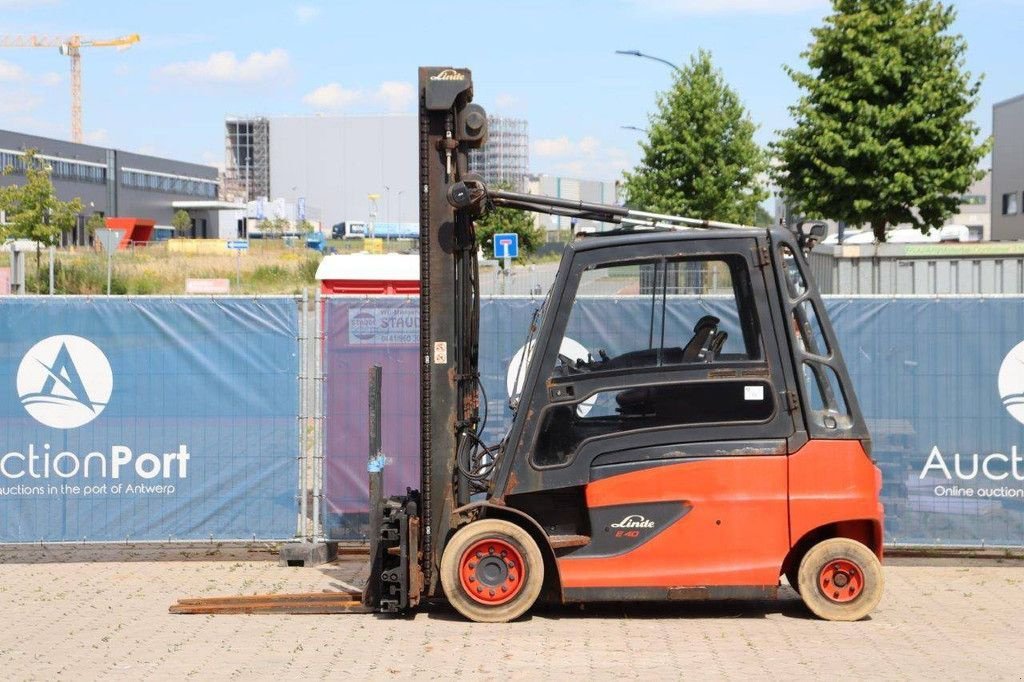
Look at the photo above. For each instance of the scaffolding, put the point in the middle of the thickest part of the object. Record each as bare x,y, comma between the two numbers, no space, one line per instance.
246,158
505,157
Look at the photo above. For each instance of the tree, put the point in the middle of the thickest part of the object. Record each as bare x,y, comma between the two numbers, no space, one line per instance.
278,225
762,218
33,209
95,222
181,222
509,220
881,134
700,158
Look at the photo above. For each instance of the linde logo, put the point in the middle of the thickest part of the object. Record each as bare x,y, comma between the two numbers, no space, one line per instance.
448,75
64,381
634,521
978,469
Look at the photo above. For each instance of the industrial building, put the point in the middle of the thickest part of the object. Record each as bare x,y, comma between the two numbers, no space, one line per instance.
115,183
352,168
559,228
505,158
1008,169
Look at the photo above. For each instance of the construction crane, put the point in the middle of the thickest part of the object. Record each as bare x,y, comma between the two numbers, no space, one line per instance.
70,46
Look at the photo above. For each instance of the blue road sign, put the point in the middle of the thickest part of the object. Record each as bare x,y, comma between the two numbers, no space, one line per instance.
239,244
506,245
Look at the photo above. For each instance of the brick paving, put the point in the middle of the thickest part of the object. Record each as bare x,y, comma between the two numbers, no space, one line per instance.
109,619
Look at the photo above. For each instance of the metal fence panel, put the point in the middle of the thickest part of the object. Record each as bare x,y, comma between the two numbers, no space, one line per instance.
147,418
932,376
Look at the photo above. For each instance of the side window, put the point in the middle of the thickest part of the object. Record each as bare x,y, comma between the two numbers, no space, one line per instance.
648,314
826,404
646,407
642,318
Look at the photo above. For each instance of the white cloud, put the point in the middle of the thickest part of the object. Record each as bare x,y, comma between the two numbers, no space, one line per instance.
332,97
225,67
11,73
395,96
25,4
13,102
730,6
306,13
391,96
97,137
51,78
556,146
505,100
585,158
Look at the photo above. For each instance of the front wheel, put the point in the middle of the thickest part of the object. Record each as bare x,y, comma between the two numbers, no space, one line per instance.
840,579
492,571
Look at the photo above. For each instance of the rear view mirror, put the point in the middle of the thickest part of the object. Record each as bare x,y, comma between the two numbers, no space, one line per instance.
809,234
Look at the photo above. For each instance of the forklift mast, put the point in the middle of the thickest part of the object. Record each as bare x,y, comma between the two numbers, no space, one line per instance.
450,125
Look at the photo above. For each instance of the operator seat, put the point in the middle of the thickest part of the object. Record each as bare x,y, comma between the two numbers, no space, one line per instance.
702,332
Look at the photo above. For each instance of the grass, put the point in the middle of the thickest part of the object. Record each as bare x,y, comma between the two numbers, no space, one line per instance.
268,267
265,269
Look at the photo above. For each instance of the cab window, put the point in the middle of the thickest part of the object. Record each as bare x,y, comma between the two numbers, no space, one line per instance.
649,314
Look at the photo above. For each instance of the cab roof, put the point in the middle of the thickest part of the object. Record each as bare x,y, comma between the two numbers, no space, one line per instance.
600,240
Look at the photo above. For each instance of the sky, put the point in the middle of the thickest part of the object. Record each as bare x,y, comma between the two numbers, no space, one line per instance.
552,62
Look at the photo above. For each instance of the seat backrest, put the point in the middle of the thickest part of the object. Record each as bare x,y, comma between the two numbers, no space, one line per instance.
701,333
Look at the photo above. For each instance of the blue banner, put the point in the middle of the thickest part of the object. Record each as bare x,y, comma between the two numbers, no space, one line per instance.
148,419
940,382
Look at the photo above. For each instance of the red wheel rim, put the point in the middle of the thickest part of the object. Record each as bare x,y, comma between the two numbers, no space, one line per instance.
492,571
841,580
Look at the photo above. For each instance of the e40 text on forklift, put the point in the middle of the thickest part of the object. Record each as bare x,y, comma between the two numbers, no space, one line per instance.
716,448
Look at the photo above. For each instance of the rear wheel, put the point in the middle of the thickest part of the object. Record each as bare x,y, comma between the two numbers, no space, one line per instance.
492,571
840,579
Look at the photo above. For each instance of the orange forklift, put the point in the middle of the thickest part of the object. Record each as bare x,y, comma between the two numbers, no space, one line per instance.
712,447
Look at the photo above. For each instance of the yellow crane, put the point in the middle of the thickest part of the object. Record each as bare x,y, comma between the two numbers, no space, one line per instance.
70,46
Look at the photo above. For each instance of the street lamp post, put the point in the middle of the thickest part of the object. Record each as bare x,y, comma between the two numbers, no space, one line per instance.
399,216
638,53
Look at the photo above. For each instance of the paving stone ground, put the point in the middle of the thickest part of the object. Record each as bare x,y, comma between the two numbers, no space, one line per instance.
108,619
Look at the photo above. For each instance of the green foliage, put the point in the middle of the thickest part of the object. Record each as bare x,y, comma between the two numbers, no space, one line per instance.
307,269
274,225
79,276
762,218
33,209
700,158
304,226
507,220
881,134
181,222
95,222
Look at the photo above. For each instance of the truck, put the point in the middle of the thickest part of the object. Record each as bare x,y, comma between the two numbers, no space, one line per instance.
716,447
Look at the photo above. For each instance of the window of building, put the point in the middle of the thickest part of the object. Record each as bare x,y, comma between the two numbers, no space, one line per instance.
973,200
1010,203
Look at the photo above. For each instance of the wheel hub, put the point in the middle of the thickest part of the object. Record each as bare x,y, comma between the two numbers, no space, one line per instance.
841,580
491,571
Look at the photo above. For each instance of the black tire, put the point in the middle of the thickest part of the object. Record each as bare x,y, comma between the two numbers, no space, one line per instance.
793,577
840,594
525,580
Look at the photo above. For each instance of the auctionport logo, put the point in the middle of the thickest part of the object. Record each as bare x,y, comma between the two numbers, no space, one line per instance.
64,381
1011,382
971,474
